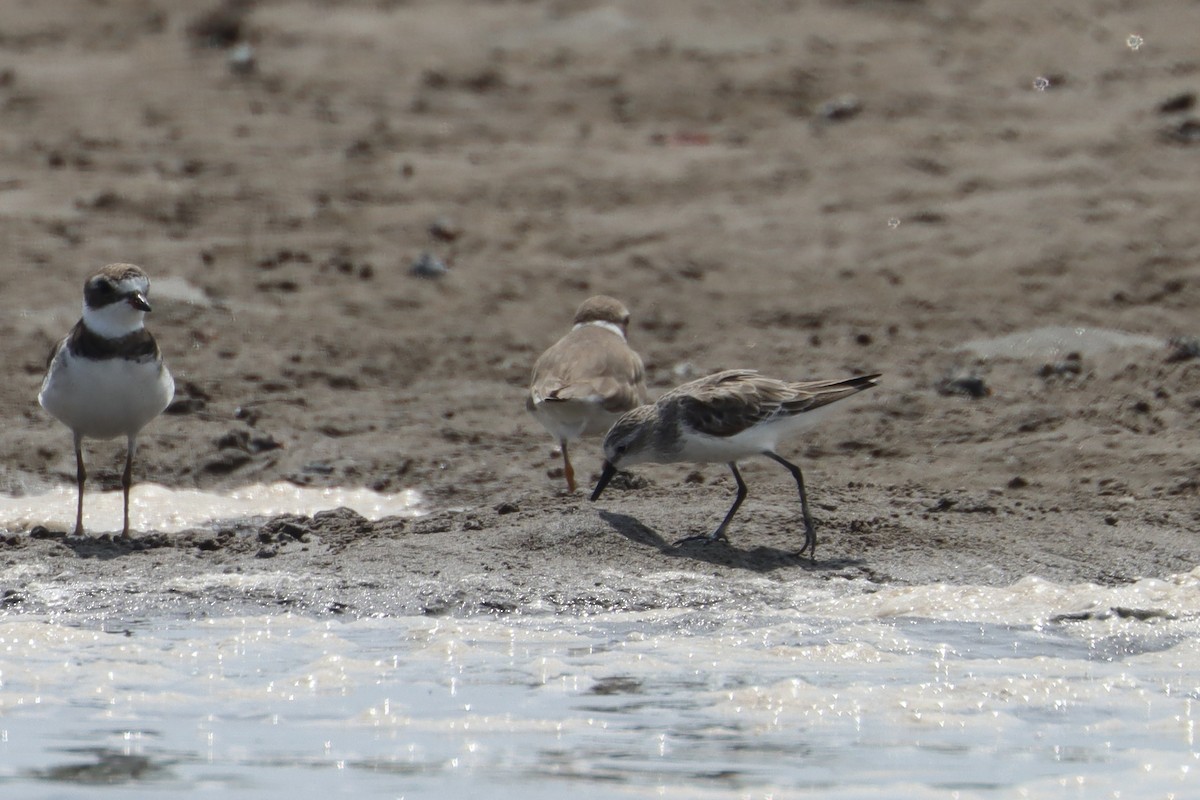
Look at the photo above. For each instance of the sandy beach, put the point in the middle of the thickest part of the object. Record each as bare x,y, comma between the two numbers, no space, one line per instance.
987,203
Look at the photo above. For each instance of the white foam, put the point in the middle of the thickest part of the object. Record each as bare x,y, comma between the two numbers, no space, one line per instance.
157,508
1029,601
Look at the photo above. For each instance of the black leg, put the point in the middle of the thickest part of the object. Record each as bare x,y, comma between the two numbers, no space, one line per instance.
80,480
126,482
719,533
810,532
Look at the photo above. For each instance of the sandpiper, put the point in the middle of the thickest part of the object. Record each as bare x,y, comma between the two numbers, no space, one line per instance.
725,417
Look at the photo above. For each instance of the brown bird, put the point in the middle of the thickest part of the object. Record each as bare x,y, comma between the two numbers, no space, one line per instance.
588,378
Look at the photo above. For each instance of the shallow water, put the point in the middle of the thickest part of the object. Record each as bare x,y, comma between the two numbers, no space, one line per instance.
1034,690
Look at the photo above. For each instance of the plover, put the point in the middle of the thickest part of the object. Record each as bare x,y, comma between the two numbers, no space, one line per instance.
107,377
724,418
588,378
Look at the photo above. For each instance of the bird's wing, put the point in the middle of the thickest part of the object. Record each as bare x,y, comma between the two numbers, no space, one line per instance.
729,402
590,365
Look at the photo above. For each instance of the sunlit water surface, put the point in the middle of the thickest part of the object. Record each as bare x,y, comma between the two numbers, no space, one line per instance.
830,689
1034,690
158,508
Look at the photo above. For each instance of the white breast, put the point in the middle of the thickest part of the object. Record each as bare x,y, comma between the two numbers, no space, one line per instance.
571,419
755,440
103,399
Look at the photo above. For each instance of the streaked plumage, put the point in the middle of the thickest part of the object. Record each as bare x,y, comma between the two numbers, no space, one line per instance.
725,417
588,378
107,378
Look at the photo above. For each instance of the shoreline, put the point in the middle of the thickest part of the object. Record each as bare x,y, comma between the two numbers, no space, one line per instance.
537,552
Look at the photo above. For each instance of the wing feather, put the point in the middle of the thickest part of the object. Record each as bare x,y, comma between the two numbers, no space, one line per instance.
591,365
727,403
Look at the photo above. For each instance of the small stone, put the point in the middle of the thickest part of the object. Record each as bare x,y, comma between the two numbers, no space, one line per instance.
1069,367
1183,348
964,383
443,229
234,439
1186,132
263,444
221,26
186,405
1184,101
226,461
428,266
840,109
242,59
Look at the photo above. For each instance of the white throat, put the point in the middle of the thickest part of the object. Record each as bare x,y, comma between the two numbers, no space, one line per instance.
113,321
599,323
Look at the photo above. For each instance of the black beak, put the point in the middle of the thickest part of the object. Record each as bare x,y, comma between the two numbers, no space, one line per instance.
605,477
139,301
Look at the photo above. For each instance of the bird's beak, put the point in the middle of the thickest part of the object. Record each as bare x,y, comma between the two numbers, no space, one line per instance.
605,476
139,301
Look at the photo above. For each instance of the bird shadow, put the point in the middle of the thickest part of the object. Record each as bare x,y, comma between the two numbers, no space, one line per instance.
722,552
103,547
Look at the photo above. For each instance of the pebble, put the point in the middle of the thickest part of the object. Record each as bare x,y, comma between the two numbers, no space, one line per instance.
1186,132
964,383
840,109
429,266
1184,101
443,229
242,59
1183,348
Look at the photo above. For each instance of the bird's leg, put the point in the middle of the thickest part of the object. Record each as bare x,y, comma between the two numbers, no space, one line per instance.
80,480
126,482
568,470
719,533
810,532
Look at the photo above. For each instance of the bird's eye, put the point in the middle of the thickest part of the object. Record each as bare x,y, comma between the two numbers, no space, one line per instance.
621,448
105,287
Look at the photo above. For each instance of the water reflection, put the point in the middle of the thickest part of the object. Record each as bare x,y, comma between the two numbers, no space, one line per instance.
105,767
861,699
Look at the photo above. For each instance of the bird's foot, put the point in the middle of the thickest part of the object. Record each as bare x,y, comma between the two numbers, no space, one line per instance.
810,544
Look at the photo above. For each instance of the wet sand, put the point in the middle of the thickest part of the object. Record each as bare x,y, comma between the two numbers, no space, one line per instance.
811,192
